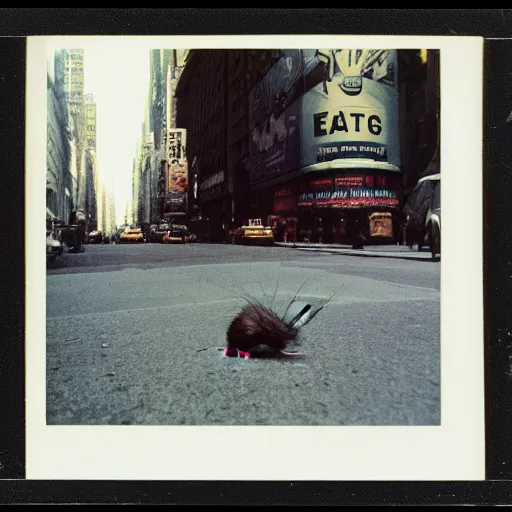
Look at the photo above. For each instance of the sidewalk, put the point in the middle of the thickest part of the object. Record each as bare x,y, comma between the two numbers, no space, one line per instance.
370,251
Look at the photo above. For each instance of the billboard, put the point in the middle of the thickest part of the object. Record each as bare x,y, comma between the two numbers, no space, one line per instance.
274,115
177,173
351,116
354,114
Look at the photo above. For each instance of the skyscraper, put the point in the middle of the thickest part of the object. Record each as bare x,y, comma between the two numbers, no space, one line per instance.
73,86
90,121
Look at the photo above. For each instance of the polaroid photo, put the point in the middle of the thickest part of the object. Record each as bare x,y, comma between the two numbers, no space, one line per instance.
244,274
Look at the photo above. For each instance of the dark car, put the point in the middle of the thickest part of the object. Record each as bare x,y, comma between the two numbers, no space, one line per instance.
423,211
95,237
157,232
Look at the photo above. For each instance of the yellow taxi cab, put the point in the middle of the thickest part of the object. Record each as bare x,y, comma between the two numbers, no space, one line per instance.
253,232
175,235
131,236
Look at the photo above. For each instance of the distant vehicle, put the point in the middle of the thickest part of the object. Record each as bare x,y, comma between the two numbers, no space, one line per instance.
53,243
95,237
158,231
177,234
73,233
131,236
151,233
423,211
190,237
253,232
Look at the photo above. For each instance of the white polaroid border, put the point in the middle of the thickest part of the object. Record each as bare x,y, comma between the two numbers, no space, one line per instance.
452,451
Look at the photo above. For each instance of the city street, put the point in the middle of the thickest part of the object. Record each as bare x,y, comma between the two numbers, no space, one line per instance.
134,331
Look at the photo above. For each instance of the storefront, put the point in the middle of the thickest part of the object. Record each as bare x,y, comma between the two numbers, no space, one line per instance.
359,207
215,207
283,219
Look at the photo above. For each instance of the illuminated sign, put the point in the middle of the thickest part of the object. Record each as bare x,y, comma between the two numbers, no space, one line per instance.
352,191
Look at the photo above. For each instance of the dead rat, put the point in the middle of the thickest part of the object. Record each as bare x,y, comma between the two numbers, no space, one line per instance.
257,330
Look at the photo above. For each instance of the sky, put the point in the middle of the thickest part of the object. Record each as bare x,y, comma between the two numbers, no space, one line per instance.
119,81
117,75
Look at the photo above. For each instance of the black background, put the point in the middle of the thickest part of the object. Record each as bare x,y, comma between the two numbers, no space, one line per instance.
489,23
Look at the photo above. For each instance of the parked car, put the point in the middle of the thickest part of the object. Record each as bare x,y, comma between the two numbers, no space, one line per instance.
53,242
423,212
95,237
175,236
158,231
433,223
131,236
254,232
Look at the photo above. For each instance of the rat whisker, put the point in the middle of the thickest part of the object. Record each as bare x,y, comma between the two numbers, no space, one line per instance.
275,292
291,302
264,294
321,307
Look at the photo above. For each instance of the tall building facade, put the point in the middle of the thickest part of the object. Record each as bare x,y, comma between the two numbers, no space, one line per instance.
73,84
106,214
73,177
173,177
201,109
59,179
92,199
137,164
311,141
90,122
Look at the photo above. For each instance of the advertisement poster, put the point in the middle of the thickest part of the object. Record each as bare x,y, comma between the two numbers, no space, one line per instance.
351,115
176,145
381,224
274,115
177,176
354,113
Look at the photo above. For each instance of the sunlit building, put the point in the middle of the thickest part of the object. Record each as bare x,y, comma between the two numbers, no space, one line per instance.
106,214
92,204
90,121
59,180
111,223
128,213
145,171
173,177
146,189
136,215
73,86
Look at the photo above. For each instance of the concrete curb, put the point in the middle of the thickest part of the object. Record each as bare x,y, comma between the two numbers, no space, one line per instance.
365,253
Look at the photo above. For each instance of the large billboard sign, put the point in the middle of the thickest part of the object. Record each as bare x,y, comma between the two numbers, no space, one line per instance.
274,119
354,114
351,116
177,175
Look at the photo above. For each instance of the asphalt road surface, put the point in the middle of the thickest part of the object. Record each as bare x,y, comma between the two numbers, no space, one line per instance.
133,338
